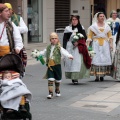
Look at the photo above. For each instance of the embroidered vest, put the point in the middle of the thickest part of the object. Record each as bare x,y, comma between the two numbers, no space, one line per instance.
56,54
9,31
15,19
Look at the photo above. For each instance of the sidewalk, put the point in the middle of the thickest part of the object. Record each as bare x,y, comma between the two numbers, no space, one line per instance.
105,100
40,46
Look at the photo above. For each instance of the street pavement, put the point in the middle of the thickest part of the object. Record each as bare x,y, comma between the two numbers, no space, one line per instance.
88,100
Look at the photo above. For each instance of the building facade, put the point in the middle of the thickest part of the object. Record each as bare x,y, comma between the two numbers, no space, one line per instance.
45,16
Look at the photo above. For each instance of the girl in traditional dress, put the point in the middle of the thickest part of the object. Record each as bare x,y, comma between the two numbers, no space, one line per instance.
114,23
116,73
99,33
76,69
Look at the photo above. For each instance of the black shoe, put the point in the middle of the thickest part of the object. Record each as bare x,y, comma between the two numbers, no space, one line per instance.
22,108
75,81
101,78
97,79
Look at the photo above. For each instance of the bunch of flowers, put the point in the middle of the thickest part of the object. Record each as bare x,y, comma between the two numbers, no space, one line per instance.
36,54
77,37
110,24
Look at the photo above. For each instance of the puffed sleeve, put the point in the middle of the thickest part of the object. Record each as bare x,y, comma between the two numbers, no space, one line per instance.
89,35
22,27
17,37
109,34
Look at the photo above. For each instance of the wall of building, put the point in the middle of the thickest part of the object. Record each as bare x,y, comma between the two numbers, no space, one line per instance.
48,19
83,8
112,5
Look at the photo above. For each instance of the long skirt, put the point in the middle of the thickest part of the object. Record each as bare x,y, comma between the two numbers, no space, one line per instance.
116,71
101,62
83,73
100,71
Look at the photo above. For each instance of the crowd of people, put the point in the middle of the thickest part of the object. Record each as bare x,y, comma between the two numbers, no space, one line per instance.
102,37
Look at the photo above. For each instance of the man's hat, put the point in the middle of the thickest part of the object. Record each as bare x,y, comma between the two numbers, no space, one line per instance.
2,7
8,5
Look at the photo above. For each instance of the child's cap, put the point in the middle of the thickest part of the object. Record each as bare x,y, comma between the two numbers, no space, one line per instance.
53,35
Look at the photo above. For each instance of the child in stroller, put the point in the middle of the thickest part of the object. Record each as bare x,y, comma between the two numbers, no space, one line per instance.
14,92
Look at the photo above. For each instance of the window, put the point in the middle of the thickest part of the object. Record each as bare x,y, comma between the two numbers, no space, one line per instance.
62,13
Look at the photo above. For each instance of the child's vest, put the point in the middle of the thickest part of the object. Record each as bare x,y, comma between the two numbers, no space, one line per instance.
56,54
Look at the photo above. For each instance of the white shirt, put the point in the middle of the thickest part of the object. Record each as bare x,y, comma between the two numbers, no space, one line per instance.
62,50
16,35
22,26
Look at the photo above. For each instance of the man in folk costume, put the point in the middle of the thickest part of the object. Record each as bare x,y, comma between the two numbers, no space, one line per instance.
10,38
18,21
53,54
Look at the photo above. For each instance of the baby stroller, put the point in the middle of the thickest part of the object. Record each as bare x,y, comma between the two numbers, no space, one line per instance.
13,62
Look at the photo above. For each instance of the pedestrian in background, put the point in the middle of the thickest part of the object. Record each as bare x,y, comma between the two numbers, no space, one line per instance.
114,23
116,68
75,69
17,19
99,33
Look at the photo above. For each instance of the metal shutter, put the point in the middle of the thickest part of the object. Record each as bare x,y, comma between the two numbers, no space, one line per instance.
62,13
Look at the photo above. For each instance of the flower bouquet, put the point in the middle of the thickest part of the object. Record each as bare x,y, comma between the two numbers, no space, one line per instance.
36,54
91,52
77,37
110,24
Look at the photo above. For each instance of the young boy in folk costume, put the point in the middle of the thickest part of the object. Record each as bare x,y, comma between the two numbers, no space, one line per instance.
53,54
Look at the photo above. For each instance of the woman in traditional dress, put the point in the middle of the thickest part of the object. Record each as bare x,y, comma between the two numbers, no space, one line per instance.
76,69
114,23
116,73
99,33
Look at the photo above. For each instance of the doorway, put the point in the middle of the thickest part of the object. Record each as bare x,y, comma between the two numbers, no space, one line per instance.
34,21
100,6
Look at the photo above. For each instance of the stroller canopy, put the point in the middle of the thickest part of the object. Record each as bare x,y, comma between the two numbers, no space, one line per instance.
11,62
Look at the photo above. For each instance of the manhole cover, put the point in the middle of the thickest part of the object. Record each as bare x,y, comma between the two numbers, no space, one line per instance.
98,106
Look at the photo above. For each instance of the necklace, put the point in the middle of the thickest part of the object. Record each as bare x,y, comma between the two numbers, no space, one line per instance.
2,31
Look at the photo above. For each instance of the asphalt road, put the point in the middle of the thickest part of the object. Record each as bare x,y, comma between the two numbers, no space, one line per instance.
76,102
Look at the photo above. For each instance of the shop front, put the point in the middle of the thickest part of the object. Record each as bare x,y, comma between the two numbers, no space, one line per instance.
34,21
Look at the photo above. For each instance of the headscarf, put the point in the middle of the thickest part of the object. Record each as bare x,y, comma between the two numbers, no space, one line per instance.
8,5
95,20
78,26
